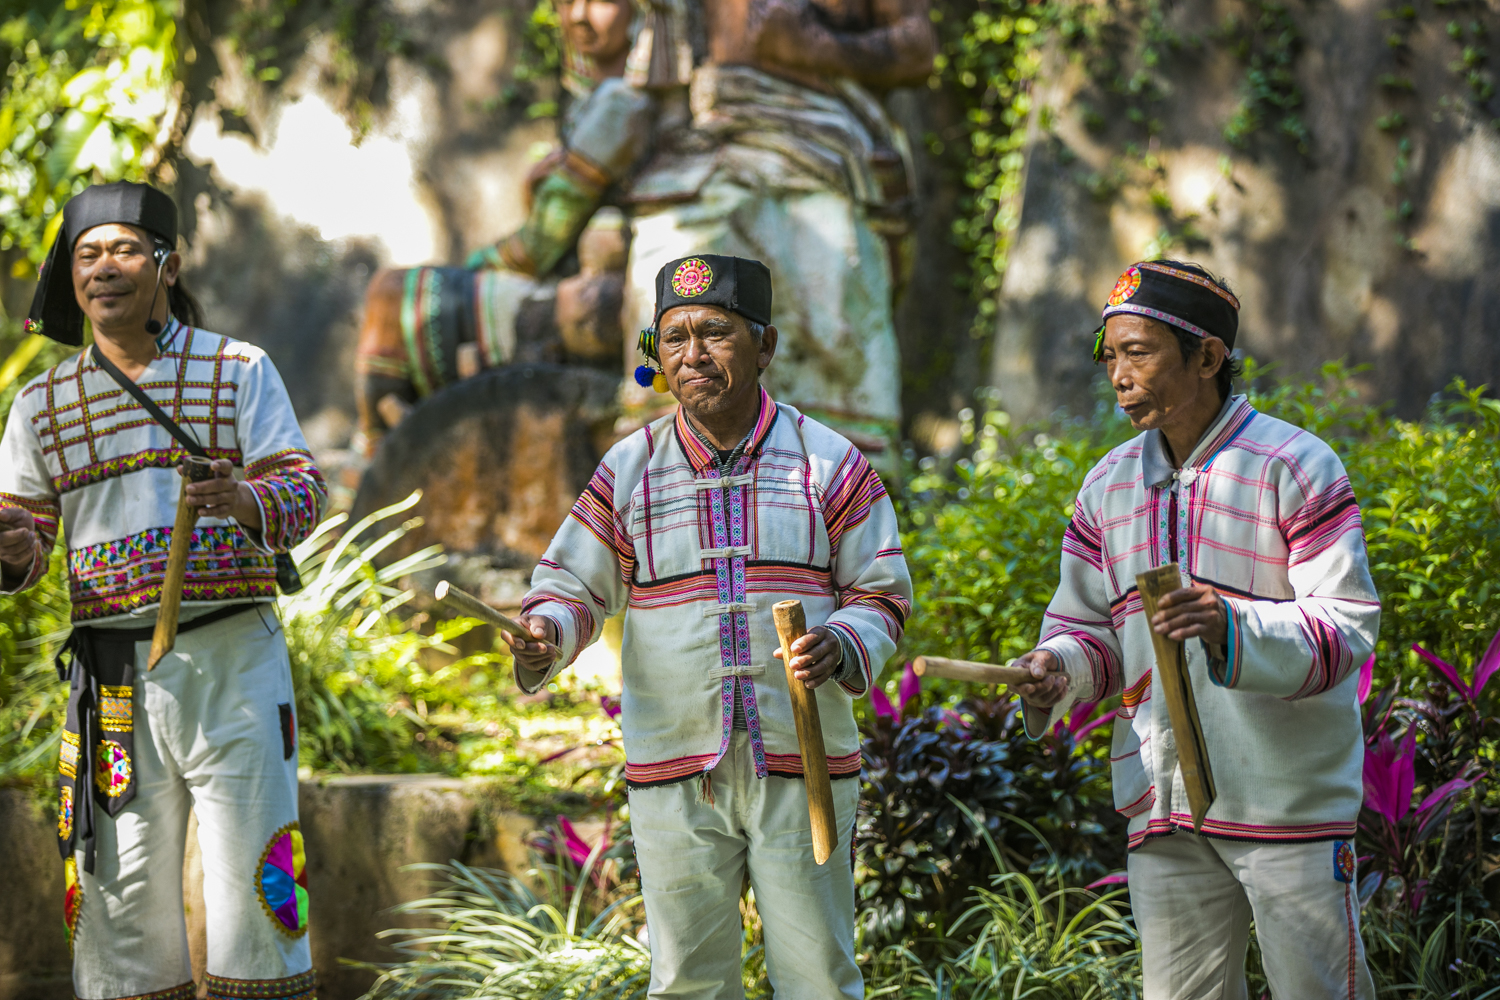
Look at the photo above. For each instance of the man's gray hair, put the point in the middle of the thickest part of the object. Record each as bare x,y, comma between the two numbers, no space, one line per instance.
757,329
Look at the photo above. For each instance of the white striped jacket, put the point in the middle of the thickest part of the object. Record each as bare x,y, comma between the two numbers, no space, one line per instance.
1264,512
697,561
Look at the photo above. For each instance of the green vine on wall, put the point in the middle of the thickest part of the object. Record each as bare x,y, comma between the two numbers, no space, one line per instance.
1266,39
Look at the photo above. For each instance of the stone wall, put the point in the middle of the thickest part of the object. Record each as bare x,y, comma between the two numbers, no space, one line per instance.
361,832
1325,259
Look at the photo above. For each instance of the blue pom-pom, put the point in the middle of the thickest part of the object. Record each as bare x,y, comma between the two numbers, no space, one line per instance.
643,376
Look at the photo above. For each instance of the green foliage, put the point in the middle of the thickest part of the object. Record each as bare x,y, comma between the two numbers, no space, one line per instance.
989,56
985,539
1265,37
952,796
1066,944
33,625
498,939
89,95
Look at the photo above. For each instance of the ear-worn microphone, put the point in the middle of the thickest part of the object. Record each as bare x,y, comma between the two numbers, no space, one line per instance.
153,325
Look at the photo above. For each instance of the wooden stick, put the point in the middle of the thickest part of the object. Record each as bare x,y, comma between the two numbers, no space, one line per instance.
475,608
791,625
165,636
1177,686
969,670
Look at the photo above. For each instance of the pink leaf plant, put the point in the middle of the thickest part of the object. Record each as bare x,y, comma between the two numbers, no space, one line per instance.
1488,664
909,687
1078,723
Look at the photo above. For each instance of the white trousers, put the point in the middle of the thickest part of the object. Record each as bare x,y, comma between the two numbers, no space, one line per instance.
693,858
1194,897
210,737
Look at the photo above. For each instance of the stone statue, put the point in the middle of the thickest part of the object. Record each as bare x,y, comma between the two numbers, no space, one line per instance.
791,159
426,327
741,127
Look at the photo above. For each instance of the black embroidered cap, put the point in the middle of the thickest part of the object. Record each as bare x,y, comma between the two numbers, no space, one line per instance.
54,309
1183,295
734,283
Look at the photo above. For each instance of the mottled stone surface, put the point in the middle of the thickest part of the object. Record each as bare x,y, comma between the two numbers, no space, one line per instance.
1313,244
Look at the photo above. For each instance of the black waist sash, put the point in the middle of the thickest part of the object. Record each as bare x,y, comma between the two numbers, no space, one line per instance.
101,715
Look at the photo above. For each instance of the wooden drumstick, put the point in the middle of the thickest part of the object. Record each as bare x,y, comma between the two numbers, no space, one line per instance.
969,670
165,636
791,625
475,608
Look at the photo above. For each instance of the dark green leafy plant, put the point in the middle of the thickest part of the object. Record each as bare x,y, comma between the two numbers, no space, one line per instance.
945,789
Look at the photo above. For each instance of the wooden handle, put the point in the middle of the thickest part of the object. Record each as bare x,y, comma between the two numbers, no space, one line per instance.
791,625
1177,687
475,608
164,637
969,670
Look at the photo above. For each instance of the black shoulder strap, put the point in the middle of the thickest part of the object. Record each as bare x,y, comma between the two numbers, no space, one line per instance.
159,415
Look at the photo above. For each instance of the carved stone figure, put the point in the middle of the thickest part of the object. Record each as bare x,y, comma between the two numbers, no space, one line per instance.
426,327
791,159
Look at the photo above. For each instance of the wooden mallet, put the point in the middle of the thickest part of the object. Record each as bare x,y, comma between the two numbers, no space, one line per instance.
791,625
970,670
165,636
475,608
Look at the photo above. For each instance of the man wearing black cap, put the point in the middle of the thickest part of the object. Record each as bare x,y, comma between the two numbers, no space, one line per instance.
1276,611
211,726
696,525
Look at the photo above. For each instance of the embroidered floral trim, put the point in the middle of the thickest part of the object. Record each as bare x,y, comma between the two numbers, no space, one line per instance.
65,813
291,988
115,715
112,774
1128,285
72,898
692,278
281,880
67,755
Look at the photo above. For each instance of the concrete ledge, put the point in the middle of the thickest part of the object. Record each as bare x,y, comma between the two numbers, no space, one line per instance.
360,832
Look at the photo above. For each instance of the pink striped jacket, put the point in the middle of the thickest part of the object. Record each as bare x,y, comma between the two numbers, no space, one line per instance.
1264,512
697,561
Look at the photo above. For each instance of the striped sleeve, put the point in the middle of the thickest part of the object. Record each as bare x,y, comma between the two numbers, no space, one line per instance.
25,485
869,570
279,468
584,576
1079,628
1311,644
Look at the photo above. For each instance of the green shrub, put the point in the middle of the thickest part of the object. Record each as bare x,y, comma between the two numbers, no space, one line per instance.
984,541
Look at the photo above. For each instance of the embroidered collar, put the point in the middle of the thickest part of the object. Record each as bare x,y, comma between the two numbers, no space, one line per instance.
703,457
1156,468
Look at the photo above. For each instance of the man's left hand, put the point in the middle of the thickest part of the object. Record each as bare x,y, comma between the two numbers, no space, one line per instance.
1192,613
225,496
815,656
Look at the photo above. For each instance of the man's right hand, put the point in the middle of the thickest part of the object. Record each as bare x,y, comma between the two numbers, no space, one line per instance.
17,541
537,654
1050,684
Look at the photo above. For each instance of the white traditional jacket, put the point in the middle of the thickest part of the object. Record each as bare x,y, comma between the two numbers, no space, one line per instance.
697,561
79,447
1264,512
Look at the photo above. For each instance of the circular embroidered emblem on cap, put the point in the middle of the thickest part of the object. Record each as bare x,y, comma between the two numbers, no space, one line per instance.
693,278
1128,285
281,880
112,772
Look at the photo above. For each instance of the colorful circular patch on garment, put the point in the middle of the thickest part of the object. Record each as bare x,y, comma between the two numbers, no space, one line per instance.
1343,861
281,880
1128,285
112,771
693,278
72,898
65,813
